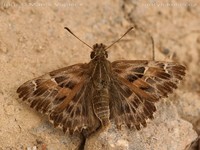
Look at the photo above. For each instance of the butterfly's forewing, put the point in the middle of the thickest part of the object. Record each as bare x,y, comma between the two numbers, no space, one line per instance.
62,95
137,86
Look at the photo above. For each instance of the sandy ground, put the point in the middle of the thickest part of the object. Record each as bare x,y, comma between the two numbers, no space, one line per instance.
33,42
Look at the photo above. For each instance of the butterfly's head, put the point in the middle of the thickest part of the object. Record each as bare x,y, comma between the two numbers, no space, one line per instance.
99,51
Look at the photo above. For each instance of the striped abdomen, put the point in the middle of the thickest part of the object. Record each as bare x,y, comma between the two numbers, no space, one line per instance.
101,105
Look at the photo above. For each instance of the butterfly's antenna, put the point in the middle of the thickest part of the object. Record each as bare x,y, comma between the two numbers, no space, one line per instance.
77,37
153,48
120,37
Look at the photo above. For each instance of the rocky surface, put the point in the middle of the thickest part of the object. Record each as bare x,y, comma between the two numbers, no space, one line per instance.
166,131
33,42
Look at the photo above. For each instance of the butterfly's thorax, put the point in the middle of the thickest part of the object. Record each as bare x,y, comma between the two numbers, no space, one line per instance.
100,74
100,77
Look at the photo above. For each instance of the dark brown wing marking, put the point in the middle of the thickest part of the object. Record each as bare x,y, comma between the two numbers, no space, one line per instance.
138,85
155,77
46,92
61,94
130,105
78,114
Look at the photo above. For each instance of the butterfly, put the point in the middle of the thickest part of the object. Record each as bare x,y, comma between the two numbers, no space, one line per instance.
86,97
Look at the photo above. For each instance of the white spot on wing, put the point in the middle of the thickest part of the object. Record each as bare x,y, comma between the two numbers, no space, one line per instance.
35,85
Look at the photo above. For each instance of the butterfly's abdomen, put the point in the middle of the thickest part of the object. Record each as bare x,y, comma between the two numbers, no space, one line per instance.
100,77
101,105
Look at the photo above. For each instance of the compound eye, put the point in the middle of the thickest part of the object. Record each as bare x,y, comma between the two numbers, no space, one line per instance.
106,54
95,46
92,55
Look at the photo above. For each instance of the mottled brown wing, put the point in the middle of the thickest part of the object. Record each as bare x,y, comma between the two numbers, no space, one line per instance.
60,91
137,85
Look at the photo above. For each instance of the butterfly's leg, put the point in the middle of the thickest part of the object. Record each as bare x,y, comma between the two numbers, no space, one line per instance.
83,140
85,134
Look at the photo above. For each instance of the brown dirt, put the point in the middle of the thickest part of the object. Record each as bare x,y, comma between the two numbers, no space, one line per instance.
33,42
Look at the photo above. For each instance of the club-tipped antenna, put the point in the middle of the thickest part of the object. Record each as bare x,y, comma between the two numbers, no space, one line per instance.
77,37
120,37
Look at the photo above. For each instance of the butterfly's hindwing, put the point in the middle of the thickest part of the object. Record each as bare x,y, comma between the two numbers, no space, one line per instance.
77,114
130,106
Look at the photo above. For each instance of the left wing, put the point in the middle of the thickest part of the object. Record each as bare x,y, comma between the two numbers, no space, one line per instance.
63,95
